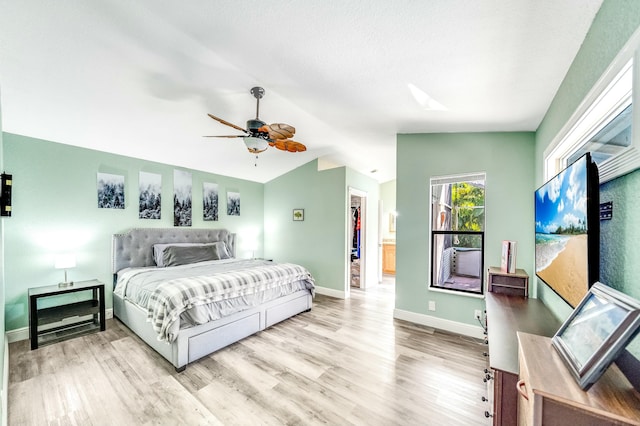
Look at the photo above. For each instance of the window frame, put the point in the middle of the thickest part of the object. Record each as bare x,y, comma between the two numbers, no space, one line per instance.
451,179
615,90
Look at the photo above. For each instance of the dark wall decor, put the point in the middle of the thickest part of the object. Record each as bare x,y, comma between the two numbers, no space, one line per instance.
5,194
150,195
209,201
233,203
110,191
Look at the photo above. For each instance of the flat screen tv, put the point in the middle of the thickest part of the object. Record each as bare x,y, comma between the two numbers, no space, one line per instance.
567,222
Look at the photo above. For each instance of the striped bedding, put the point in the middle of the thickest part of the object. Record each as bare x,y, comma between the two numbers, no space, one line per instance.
176,293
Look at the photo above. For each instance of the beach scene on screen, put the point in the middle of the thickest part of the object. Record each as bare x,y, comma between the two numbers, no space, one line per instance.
561,232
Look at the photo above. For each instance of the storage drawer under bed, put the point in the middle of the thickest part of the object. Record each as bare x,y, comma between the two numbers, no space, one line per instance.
283,311
209,341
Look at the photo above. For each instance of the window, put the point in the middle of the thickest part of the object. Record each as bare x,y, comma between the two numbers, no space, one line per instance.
603,123
457,233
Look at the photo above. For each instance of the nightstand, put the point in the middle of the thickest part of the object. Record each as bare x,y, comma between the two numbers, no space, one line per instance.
516,284
42,320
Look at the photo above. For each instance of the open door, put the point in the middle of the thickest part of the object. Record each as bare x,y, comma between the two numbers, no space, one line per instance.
356,239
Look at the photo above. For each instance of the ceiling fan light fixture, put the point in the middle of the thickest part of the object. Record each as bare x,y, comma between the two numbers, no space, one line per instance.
255,145
258,135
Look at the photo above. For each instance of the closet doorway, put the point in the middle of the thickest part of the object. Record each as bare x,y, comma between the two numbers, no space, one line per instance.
357,238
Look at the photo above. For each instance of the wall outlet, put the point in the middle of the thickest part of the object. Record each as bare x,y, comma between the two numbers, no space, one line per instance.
477,314
432,305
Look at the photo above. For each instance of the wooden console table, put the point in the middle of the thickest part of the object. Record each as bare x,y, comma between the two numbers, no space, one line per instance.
516,284
551,396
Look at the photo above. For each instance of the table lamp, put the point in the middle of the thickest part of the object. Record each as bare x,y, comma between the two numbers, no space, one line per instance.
65,261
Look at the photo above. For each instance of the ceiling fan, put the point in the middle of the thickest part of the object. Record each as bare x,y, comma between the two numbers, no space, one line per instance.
258,135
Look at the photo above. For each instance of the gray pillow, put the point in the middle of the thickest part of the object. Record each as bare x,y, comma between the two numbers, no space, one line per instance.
158,250
221,250
184,255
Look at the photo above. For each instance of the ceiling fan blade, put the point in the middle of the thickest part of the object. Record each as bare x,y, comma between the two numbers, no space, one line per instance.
288,145
224,136
226,123
278,130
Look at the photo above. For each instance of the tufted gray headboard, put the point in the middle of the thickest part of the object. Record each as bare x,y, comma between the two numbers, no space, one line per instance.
135,247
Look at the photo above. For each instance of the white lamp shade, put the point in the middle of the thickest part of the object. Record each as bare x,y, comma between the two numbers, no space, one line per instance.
65,261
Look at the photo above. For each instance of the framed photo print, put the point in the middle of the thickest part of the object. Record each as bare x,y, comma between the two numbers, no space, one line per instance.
595,333
298,214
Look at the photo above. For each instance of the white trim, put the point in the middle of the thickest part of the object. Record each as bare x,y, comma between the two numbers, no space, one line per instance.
594,112
459,293
5,383
440,323
17,335
339,294
460,177
23,333
450,179
364,256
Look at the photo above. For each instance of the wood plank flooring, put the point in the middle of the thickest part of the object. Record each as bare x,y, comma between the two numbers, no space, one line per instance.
345,362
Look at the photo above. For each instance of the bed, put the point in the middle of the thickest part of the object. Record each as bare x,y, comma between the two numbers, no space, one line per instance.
199,302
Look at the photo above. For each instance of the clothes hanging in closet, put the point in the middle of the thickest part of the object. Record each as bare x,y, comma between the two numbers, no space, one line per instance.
355,245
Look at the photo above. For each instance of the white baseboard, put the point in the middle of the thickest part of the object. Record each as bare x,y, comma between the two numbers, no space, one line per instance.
23,333
330,292
5,383
17,335
440,323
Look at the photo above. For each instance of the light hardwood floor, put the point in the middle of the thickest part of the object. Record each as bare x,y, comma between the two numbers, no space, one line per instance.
345,362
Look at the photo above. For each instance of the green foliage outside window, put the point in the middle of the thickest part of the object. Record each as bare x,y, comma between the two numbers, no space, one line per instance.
467,199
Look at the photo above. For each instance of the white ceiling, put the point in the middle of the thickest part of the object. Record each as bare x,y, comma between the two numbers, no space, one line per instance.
137,77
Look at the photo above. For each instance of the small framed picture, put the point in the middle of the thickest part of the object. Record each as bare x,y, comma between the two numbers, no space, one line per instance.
595,333
298,214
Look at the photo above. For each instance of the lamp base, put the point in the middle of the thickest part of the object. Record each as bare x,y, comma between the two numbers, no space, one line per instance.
65,284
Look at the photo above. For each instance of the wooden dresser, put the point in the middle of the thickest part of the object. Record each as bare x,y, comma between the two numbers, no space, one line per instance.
549,395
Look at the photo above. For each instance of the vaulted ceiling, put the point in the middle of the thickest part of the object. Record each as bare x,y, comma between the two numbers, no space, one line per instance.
138,78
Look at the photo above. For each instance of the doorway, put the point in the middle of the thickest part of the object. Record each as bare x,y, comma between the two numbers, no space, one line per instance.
356,238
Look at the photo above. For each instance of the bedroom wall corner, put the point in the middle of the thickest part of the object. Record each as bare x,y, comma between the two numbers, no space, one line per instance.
318,241
4,347
5,383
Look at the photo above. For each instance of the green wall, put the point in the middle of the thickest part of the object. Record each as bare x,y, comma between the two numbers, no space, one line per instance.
620,236
507,160
55,211
320,241
388,197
